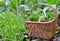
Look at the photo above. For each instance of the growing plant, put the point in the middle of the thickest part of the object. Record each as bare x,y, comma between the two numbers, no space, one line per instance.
52,1
11,26
58,8
2,3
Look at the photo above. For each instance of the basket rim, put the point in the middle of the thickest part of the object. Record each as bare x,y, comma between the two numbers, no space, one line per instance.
40,22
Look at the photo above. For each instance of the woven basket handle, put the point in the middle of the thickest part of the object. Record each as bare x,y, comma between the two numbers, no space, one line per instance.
53,9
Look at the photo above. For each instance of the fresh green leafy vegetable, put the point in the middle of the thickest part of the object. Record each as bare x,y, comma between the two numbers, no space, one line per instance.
34,17
50,15
40,16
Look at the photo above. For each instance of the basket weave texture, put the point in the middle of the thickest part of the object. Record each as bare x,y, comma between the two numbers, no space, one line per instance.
44,30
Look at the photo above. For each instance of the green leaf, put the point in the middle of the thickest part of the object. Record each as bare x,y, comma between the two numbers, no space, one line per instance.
2,3
52,1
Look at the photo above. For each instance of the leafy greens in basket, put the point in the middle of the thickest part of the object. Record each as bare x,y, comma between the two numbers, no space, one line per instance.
41,17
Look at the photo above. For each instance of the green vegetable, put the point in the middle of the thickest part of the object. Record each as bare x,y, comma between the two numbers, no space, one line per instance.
50,15
41,17
34,17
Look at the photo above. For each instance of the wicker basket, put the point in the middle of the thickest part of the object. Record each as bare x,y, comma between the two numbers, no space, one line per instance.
44,30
